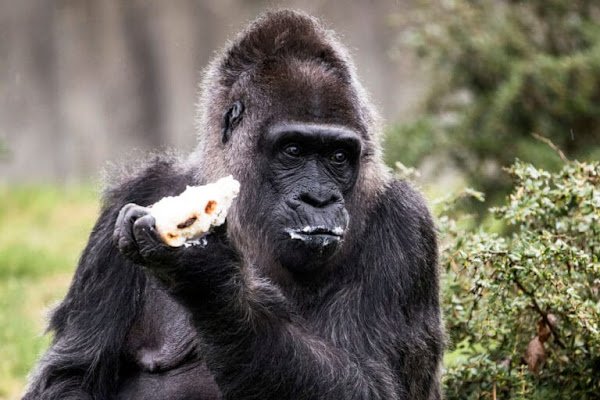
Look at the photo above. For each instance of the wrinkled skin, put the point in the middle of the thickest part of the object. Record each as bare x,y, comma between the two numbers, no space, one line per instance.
323,283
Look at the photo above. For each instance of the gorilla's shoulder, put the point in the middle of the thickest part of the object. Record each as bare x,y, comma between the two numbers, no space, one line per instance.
146,181
401,196
401,206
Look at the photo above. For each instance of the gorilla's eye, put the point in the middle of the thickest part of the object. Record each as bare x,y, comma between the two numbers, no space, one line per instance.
339,157
292,150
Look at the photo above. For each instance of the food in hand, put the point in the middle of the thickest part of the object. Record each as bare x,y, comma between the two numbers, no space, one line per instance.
183,218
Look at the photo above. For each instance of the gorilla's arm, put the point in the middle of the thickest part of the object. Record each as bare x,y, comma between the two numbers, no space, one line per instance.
410,234
105,296
258,347
90,324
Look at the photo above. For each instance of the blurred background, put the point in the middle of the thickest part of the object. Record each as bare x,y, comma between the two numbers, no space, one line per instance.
464,88
84,82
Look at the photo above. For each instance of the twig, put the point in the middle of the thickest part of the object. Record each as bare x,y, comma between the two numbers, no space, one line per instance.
552,146
542,313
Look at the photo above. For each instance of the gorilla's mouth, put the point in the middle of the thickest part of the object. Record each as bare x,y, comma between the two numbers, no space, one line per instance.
319,236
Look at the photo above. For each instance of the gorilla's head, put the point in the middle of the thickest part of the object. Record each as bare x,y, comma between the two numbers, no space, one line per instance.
283,112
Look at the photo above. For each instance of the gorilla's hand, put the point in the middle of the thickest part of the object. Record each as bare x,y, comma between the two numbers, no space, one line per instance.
136,237
201,276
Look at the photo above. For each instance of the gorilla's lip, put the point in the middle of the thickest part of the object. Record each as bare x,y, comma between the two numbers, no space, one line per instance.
313,232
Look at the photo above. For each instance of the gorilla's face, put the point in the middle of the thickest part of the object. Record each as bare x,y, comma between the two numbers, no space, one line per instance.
309,168
306,141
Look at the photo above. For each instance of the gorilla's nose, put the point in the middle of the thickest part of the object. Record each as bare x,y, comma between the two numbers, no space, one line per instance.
320,199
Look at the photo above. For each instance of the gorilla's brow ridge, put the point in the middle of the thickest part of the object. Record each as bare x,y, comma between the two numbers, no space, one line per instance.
310,127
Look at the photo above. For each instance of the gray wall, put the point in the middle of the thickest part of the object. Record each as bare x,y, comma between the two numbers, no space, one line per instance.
86,82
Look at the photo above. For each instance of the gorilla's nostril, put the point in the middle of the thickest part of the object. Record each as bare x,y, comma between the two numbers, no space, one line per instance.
318,201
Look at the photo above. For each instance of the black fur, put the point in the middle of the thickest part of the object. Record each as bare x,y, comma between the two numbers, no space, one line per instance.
348,313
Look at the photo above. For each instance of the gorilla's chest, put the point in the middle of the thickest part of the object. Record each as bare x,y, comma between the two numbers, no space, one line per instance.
340,316
162,336
162,350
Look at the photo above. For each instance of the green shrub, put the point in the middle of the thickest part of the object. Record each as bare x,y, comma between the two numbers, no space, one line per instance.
502,70
523,307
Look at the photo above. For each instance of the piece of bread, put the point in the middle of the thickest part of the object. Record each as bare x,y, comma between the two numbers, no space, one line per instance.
191,214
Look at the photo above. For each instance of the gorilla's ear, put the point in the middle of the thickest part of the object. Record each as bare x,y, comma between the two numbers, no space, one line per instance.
231,119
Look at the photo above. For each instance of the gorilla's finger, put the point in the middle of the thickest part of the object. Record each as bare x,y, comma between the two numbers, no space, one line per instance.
150,245
128,214
144,230
123,233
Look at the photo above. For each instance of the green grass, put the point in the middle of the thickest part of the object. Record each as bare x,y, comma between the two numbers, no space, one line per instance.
42,232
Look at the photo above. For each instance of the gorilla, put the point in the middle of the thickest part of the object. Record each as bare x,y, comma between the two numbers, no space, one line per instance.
322,285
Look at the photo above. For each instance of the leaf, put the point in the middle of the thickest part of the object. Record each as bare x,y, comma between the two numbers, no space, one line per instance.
535,355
